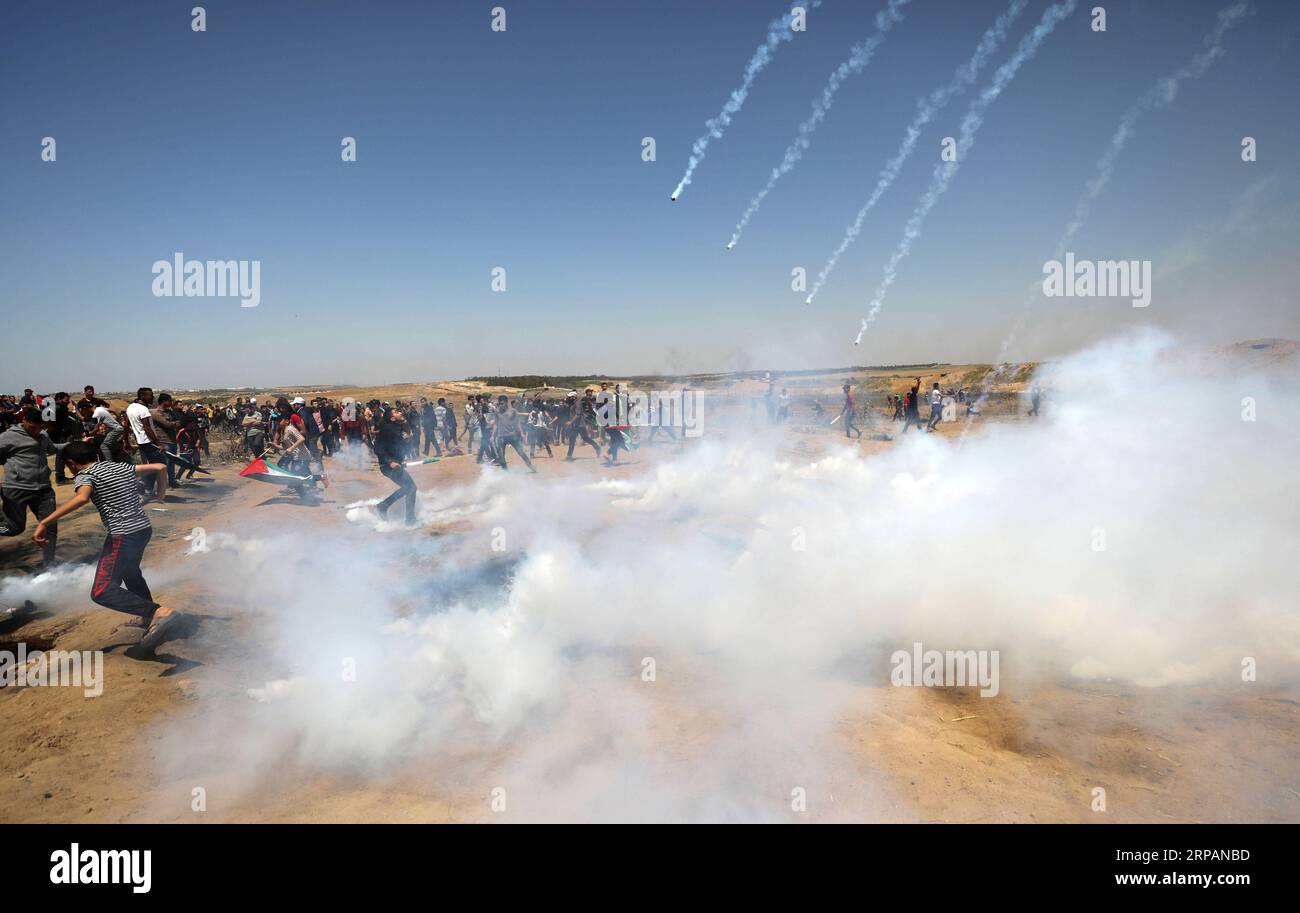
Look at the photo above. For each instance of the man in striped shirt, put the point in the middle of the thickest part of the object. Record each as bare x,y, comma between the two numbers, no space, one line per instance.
119,584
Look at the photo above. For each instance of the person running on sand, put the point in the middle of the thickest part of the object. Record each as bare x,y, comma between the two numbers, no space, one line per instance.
576,424
119,583
848,412
390,449
471,423
24,453
187,448
290,439
539,429
936,406
508,428
911,411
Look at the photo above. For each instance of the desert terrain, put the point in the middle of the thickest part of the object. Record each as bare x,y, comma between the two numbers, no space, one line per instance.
1215,751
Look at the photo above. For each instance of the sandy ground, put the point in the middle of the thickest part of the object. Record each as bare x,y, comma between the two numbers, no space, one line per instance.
914,754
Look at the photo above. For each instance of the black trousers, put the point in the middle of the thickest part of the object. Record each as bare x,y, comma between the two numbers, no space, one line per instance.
405,489
431,440
576,430
539,435
514,441
119,584
17,501
616,441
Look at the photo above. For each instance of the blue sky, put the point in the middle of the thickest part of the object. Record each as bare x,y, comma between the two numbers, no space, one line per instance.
522,149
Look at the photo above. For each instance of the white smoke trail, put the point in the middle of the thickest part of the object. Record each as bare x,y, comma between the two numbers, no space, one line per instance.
778,30
859,56
927,108
1160,95
944,172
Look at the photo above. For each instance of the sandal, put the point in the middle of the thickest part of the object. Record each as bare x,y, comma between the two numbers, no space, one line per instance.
154,635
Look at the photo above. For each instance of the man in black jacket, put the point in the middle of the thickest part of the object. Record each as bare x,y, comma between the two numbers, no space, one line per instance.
390,449
429,419
65,427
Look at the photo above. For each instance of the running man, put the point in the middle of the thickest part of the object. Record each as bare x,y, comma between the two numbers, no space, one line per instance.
119,584
507,428
576,425
849,411
539,429
390,449
483,410
471,424
936,406
24,453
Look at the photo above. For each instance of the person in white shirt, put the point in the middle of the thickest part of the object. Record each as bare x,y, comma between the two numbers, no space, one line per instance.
936,406
137,416
140,418
112,431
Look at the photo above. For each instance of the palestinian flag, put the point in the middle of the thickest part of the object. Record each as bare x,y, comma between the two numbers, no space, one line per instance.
269,472
629,435
422,462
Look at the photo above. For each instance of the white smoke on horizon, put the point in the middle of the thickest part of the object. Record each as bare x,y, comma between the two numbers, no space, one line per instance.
523,667
860,56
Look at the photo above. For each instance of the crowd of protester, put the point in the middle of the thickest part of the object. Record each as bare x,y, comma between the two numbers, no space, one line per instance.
107,457
168,440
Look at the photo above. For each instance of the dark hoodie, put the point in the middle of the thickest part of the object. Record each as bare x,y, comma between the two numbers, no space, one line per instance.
390,446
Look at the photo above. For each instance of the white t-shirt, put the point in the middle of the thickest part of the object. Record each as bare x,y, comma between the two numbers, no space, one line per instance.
101,414
138,415
936,398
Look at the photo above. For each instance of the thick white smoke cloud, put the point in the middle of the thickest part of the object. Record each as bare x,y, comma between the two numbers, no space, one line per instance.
859,56
778,31
61,586
927,108
970,125
523,667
